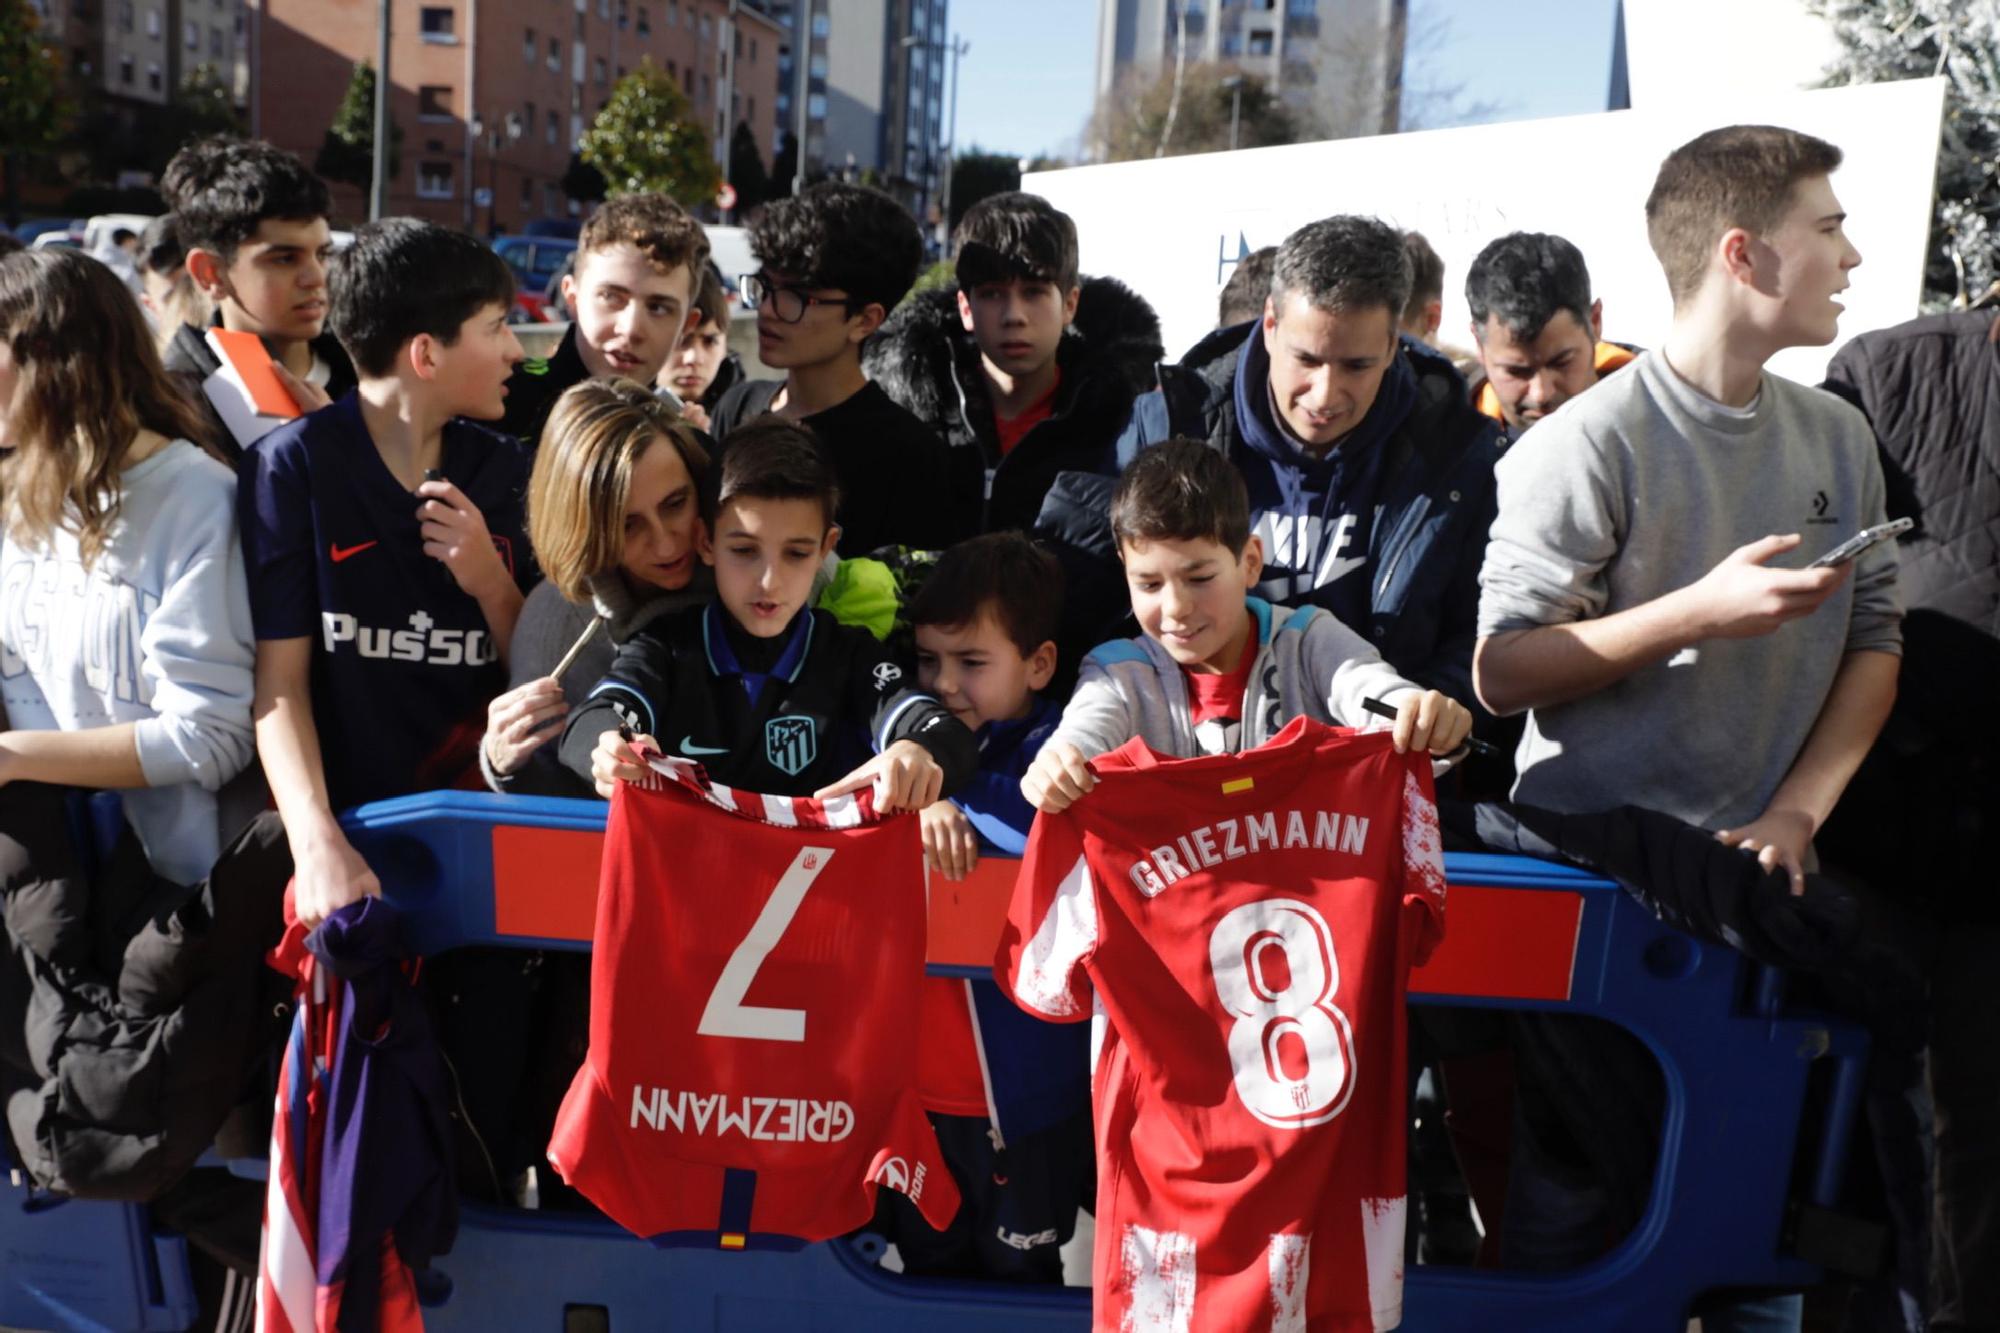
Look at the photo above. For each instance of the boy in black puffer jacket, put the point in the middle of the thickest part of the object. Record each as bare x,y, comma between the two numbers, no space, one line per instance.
1019,361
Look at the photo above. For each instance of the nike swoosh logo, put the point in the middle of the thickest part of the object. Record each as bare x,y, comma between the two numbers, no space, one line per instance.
340,553
689,747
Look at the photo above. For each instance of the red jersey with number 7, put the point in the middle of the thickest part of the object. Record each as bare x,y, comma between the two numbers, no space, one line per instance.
1245,925
751,1078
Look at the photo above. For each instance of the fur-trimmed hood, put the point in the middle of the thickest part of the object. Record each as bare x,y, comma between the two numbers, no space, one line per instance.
924,359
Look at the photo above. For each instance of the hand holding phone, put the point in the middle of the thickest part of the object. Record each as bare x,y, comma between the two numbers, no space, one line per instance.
1864,540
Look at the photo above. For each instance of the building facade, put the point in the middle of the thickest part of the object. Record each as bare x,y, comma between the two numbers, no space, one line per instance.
1339,62
873,87
138,53
492,95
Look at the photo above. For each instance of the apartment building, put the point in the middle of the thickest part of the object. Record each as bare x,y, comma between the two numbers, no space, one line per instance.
138,53
492,95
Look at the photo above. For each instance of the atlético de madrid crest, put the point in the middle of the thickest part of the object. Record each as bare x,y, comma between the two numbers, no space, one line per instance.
791,743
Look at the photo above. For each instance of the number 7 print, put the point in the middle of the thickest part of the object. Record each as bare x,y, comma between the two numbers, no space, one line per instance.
725,1014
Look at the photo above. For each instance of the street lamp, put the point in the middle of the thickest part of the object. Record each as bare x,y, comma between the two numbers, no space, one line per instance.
1234,83
510,125
958,47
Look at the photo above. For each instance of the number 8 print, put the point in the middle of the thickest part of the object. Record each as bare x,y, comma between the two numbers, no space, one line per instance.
1276,973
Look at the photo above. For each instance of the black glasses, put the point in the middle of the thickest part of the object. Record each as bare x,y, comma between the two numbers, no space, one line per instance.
787,303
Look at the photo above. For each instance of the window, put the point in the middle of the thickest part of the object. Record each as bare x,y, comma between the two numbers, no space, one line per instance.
125,70
575,128
438,23
528,46
125,15
621,71
673,12
551,199
434,102
624,13
153,75
819,25
527,192
603,72
191,34
434,180
1260,42
528,120
816,106
673,70
706,92
1302,9
555,54
753,49
645,21
604,9
152,23
216,43
817,65
553,131
687,80
706,31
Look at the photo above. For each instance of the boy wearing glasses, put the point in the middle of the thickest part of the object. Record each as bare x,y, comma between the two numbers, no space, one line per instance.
835,260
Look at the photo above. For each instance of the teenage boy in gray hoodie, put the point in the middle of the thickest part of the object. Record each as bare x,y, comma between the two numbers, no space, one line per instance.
1216,670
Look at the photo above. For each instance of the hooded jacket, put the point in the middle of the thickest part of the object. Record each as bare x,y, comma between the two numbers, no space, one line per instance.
1607,357
925,360
1417,472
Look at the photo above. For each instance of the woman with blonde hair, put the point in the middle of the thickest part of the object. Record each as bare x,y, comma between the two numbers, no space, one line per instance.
614,514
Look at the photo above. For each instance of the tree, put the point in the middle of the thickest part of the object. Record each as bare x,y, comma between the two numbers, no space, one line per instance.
646,138
1886,40
976,175
1172,112
582,182
784,165
201,106
746,168
347,153
34,111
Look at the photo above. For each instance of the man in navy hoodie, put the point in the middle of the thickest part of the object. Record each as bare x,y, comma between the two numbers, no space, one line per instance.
1370,475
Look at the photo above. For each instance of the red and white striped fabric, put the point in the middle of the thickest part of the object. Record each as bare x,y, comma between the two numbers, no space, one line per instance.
753,1018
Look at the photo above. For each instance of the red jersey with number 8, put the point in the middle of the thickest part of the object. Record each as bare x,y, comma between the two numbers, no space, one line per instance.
757,965
1245,925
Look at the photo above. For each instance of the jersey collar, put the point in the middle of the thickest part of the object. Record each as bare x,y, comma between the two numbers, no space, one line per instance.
722,660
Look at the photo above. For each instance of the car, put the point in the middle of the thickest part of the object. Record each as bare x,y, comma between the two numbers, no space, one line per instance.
35,228
98,231
533,258
562,229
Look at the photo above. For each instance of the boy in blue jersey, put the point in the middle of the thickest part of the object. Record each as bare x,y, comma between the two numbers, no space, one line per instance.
1009,1095
385,546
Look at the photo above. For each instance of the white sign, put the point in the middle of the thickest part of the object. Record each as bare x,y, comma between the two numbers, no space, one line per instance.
482,197
1173,228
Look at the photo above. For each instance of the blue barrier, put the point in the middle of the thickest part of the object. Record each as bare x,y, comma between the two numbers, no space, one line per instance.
1734,1060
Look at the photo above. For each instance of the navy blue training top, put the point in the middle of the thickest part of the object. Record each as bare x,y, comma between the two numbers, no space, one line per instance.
406,663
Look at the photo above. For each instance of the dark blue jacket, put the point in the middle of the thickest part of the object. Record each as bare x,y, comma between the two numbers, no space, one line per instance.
1427,488
1038,1074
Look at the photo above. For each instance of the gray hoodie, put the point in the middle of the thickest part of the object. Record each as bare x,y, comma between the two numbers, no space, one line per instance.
1307,664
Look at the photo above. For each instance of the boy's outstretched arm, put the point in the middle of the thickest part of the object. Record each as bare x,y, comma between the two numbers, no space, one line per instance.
1856,708
328,873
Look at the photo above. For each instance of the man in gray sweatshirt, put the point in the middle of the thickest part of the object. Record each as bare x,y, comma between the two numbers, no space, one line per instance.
1647,597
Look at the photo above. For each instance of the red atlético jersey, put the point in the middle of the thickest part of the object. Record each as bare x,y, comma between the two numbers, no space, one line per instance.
753,1006
1245,923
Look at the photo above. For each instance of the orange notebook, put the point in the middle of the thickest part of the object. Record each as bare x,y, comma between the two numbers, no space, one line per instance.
244,388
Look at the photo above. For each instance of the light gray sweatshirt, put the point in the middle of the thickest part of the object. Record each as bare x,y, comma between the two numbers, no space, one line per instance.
1637,489
1308,664
156,633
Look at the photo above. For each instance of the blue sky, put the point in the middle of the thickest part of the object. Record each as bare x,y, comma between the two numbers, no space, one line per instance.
1029,72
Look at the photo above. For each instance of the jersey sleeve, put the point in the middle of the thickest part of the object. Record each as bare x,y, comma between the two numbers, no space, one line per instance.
1051,929
632,694
1422,861
897,711
274,508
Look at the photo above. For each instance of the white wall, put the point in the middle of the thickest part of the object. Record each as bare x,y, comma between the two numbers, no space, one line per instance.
1172,228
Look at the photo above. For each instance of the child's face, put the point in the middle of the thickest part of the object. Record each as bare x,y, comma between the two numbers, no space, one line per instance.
1188,595
275,287
765,554
978,672
696,361
629,314
1017,323
662,521
1806,259
471,374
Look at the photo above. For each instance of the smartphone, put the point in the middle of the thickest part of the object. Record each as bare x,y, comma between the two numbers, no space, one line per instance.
1863,540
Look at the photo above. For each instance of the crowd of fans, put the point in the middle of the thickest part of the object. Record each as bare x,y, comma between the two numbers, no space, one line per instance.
973,537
